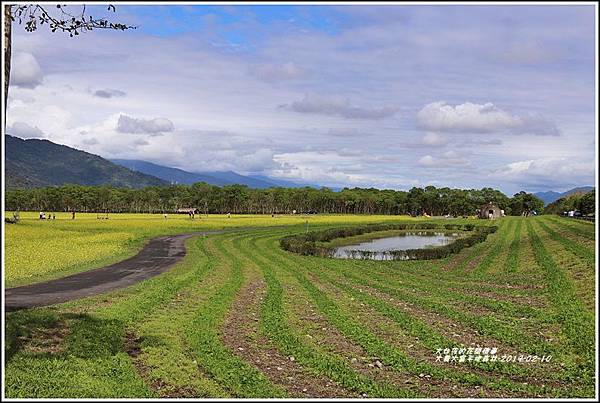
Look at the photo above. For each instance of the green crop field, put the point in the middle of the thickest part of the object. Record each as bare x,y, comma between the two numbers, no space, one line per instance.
241,317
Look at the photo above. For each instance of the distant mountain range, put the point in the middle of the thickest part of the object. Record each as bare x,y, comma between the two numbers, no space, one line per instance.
39,163
551,196
35,163
219,178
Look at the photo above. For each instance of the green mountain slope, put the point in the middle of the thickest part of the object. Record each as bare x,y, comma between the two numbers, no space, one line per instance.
39,163
552,196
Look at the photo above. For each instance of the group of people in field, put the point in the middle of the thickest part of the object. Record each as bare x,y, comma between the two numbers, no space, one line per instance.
192,215
53,216
528,213
50,216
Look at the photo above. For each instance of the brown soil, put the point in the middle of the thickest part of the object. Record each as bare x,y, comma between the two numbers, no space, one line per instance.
46,340
473,263
457,260
326,336
387,330
527,300
455,330
241,334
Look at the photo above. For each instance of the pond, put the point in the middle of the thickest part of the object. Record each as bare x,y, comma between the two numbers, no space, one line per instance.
381,248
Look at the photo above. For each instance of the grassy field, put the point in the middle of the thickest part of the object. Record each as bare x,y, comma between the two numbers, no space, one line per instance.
38,250
240,317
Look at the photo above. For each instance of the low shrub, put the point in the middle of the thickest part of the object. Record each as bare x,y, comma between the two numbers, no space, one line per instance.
306,244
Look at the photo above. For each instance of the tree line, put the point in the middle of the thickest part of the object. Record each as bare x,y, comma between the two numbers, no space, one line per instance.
583,202
238,199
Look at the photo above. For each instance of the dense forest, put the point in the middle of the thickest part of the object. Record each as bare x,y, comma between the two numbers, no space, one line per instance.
583,202
237,199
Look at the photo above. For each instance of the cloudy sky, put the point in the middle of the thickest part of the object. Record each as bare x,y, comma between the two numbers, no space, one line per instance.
384,96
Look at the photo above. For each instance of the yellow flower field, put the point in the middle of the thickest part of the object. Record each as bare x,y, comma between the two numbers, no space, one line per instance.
38,250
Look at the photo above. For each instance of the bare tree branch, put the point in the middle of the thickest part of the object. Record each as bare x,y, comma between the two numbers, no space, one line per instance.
34,15
66,22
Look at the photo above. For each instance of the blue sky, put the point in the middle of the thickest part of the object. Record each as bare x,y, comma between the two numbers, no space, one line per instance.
388,96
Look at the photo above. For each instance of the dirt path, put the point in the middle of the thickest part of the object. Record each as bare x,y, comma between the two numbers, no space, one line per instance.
159,255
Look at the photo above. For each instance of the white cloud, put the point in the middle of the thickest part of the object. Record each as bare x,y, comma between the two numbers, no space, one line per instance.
481,118
547,169
219,150
427,161
23,130
25,71
322,167
534,123
338,106
127,124
447,159
241,160
369,66
90,142
544,172
49,118
434,139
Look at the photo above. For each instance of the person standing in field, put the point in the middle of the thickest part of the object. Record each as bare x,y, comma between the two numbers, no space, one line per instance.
73,215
